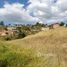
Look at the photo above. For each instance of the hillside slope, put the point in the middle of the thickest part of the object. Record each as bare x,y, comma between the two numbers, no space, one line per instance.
49,46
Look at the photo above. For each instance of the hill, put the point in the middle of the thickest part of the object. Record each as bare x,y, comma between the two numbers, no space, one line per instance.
44,49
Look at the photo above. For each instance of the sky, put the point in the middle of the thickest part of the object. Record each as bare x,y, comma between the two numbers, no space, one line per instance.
32,11
25,2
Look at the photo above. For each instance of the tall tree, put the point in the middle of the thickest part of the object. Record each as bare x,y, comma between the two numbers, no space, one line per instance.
2,23
62,24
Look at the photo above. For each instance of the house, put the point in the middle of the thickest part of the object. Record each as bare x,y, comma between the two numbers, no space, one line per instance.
44,28
55,25
8,32
11,28
3,32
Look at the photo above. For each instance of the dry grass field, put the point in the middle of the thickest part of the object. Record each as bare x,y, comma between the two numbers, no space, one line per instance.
48,48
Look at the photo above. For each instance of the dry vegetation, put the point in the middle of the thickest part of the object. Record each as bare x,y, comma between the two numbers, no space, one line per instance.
45,49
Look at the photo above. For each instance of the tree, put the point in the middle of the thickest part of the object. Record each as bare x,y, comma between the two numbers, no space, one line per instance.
20,33
66,25
62,24
38,24
2,23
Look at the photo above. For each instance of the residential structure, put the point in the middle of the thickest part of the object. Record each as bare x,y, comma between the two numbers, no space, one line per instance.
44,28
55,25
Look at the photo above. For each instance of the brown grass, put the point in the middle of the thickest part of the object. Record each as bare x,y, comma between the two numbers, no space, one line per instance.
49,46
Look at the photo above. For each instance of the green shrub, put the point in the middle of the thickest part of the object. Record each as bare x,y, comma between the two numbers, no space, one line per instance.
7,37
3,63
62,24
13,58
21,35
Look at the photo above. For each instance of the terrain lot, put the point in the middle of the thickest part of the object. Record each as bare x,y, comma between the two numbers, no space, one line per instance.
44,49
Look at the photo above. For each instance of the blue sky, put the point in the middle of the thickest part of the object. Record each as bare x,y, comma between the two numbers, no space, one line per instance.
25,2
31,11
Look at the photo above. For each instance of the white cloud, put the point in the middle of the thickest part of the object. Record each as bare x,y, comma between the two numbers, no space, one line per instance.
38,10
49,10
15,13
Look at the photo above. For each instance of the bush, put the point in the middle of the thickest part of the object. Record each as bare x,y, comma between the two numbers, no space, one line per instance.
14,59
10,57
7,37
3,63
62,24
21,35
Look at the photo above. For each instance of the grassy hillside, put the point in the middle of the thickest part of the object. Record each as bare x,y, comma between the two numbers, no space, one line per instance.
45,49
